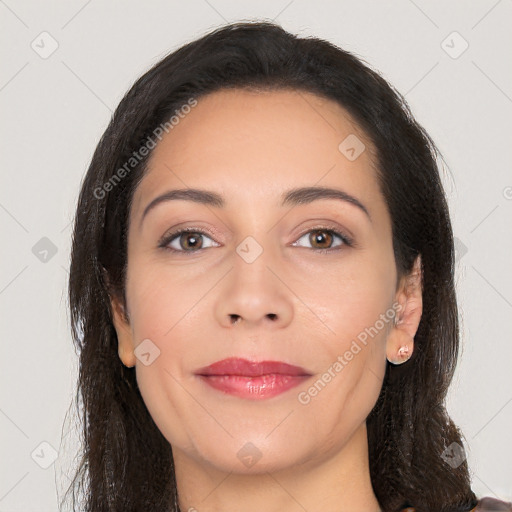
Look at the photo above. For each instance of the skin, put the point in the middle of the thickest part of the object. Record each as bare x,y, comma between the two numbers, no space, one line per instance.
252,147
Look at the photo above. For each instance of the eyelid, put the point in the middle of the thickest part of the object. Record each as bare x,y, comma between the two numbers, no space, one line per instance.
172,233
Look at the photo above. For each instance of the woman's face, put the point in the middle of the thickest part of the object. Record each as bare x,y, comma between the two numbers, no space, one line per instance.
262,260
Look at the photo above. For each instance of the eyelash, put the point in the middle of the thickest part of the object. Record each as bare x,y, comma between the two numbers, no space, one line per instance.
167,239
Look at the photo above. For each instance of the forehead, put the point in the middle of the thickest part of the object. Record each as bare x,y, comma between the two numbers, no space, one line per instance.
250,145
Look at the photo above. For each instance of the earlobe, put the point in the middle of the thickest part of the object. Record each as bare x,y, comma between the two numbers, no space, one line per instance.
124,333
400,342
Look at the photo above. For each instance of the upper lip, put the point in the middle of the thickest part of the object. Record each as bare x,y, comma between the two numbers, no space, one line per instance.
246,368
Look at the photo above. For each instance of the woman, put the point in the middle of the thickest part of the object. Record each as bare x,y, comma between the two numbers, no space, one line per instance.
262,290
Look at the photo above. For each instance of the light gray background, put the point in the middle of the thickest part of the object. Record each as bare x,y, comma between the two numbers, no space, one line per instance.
54,110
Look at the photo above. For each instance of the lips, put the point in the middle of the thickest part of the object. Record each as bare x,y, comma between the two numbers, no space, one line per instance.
250,379
245,368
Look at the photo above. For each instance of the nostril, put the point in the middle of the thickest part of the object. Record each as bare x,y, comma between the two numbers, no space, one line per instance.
234,318
272,316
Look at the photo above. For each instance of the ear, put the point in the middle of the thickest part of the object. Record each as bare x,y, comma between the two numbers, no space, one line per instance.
400,342
124,333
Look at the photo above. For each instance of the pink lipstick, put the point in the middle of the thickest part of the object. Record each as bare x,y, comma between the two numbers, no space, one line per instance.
252,380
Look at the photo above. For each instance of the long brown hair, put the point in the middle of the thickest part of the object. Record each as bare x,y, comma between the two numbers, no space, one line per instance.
126,463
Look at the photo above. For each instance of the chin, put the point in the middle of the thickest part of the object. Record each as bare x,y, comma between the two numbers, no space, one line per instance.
255,455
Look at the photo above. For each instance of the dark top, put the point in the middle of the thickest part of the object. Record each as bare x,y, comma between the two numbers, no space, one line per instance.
486,504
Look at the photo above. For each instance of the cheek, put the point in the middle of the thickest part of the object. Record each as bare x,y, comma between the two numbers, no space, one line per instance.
158,300
356,305
354,353
160,309
357,299
172,410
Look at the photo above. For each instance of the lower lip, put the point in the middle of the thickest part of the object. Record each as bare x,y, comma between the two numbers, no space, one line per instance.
255,388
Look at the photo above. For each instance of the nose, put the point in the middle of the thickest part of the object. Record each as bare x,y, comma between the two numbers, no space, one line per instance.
254,295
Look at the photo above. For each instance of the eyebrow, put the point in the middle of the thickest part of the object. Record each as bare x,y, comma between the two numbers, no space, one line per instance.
296,196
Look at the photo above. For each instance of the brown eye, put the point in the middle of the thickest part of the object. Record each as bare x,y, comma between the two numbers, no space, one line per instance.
323,239
191,240
187,241
319,238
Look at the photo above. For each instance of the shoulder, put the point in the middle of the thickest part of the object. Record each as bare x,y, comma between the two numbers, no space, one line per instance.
488,504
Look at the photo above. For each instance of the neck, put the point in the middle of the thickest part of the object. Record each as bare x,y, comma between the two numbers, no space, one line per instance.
338,483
